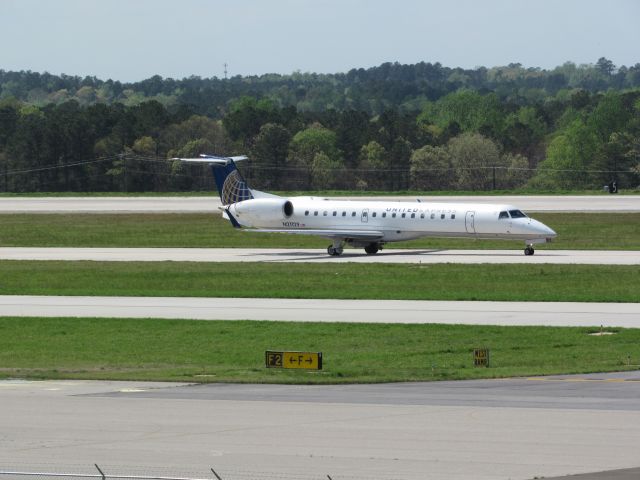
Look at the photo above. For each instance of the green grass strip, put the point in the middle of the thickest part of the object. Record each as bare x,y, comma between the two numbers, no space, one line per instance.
216,351
575,283
576,231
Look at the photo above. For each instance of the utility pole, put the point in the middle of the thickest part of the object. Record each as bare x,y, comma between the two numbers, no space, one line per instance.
225,70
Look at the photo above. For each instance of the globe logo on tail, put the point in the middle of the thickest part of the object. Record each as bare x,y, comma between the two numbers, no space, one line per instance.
235,189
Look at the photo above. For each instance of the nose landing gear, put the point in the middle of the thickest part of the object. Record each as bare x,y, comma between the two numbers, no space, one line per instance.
372,248
529,250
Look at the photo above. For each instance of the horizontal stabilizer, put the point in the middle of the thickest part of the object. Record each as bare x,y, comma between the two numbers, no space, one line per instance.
212,159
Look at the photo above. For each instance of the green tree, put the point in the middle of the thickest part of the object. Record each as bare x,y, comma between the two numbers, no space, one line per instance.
305,145
326,173
145,146
269,154
569,156
374,166
515,172
474,158
431,169
246,116
469,109
605,66
400,157
197,127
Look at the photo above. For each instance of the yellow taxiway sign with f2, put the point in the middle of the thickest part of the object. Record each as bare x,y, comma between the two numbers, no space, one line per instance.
301,360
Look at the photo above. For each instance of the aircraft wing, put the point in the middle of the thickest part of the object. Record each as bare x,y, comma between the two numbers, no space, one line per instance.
366,235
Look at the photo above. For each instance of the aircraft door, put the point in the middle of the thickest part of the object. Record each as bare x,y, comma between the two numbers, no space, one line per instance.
469,222
365,215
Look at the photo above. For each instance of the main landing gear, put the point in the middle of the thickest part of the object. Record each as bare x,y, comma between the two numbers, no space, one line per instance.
529,250
334,250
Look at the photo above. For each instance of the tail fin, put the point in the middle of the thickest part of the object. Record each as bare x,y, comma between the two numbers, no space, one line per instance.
232,187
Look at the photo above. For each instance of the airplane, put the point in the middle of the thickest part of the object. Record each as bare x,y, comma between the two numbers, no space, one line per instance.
367,224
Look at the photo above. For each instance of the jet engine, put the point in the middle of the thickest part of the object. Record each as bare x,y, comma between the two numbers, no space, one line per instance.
262,212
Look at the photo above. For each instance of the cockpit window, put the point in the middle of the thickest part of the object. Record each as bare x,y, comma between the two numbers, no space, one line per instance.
503,215
517,214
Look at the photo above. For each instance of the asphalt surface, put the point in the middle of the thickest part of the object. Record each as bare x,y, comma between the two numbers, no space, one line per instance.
494,429
309,310
489,429
531,203
279,255
611,391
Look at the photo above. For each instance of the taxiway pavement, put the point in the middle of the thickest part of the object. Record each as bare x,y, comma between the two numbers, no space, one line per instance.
275,255
309,310
530,203
486,429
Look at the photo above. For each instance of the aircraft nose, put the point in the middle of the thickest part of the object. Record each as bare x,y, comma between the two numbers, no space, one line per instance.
543,229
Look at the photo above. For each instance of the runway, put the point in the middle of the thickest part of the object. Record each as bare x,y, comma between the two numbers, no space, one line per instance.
304,310
487,429
530,203
279,255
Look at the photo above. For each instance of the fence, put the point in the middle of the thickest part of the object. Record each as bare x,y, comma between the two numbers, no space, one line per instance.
135,173
101,473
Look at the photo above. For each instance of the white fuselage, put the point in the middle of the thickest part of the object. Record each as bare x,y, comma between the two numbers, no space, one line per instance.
397,221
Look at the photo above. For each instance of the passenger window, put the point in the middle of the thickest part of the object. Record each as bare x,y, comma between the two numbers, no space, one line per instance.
393,215
353,214
404,215
503,215
442,216
374,214
453,216
306,213
413,215
433,215
344,214
324,214
422,215
315,214
384,214
335,213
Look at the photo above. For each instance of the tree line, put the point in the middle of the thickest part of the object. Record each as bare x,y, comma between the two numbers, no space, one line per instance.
418,127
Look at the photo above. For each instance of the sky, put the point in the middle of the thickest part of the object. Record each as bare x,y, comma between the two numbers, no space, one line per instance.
130,40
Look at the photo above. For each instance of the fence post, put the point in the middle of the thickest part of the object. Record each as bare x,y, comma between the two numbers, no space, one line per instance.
101,472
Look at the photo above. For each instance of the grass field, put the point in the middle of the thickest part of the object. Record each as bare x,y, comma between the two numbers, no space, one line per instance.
234,351
202,351
574,283
605,231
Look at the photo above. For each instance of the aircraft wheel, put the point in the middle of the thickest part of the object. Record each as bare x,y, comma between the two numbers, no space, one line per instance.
529,250
333,251
371,249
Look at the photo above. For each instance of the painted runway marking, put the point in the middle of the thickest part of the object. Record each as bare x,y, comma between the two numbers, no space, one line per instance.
592,380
